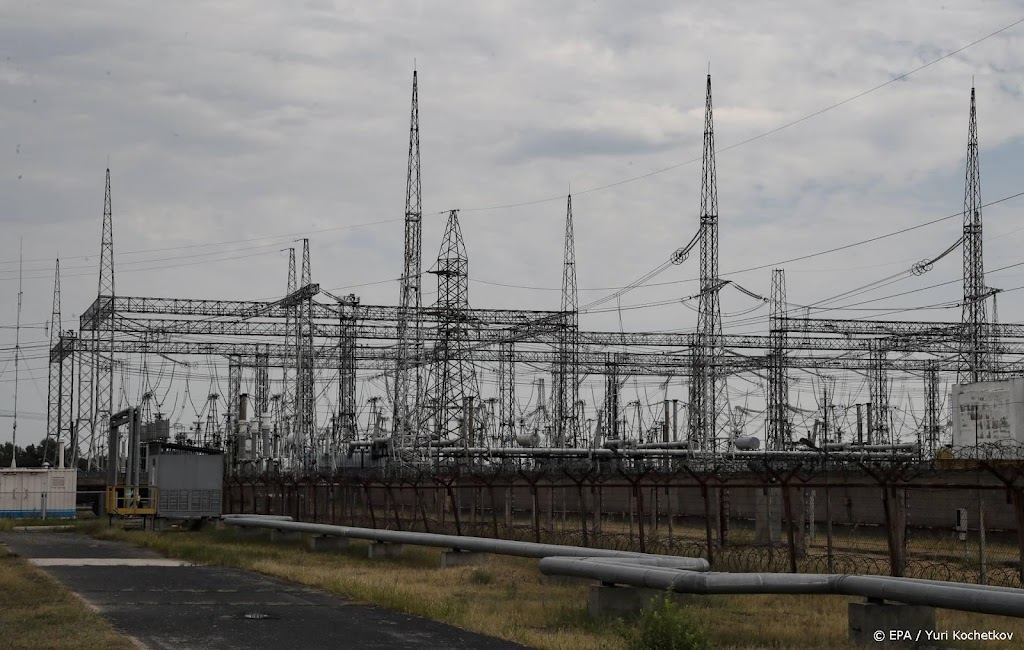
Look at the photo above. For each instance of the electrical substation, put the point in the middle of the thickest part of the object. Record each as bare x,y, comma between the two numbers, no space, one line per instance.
414,415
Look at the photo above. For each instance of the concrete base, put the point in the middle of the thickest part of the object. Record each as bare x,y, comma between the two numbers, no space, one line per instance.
462,558
324,543
619,602
900,626
383,549
285,535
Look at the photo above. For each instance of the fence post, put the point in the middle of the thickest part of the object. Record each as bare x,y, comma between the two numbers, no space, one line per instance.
895,523
704,493
787,504
638,491
1018,511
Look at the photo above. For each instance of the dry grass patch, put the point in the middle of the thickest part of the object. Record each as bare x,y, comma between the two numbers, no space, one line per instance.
37,613
505,596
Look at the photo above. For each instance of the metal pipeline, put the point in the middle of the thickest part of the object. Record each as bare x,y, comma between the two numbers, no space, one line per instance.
1001,601
266,517
680,574
475,544
498,452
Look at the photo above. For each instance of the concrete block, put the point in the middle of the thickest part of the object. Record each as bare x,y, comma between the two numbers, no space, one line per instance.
891,624
618,602
326,543
462,558
285,535
768,516
383,549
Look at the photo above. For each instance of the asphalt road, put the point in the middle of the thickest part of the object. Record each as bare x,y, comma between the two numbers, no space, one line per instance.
165,604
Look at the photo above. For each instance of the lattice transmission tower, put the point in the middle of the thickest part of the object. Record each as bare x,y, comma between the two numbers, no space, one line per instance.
704,385
455,381
408,377
778,382
975,362
288,413
103,366
567,375
305,402
53,401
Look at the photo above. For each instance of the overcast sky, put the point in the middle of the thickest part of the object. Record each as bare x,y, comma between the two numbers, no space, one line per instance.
234,128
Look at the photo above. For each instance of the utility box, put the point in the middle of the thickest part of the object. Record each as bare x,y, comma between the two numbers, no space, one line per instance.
961,523
37,492
188,485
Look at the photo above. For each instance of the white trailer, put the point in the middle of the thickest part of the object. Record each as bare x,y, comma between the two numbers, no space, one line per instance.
37,492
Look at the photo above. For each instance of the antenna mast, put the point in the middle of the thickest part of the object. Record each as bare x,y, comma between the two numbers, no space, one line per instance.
17,356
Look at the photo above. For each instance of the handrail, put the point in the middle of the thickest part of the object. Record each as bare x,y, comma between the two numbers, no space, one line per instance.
129,500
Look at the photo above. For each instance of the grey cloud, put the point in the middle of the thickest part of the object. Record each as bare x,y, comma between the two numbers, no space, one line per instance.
571,143
290,119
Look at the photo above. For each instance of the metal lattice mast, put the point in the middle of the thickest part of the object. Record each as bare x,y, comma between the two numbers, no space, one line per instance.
455,384
709,324
611,397
408,376
878,389
995,357
974,365
103,367
65,411
507,391
262,402
306,406
347,368
234,391
930,443
778,381
53,401
84,423
568,371
290,342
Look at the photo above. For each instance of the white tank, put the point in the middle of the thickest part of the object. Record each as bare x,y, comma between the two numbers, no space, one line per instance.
747,443
528,439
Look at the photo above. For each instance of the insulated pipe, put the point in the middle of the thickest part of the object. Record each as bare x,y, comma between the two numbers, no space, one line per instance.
683,444
475,544
266,517
661,452
1001,601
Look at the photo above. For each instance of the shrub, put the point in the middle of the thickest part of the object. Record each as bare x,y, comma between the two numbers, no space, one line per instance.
479,577
665,625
